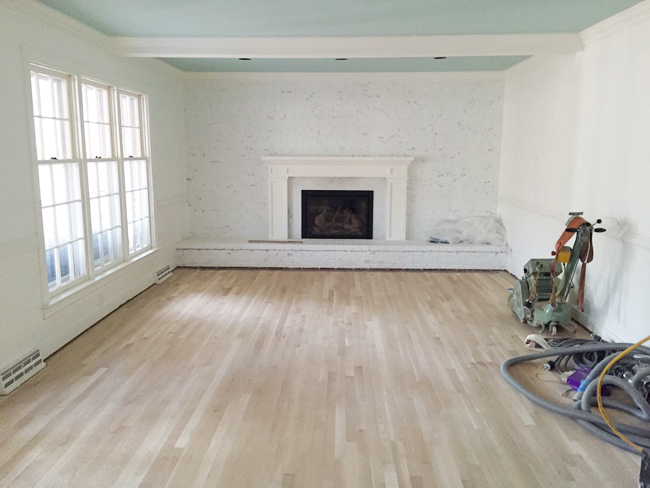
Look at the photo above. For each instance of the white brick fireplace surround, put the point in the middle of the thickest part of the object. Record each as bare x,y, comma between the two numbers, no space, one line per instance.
393,253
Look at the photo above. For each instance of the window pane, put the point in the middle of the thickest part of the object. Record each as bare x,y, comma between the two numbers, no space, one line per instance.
76,221
105,213
95,217
130,123
63,222
45,93
74,181
142,174
127,175
144,201
79,258
50,263
131,142
105,210
60,183
117,243
49,227
96,121
45,182
93,188
116,219
51,116
144,230
63,231
96,248
64,264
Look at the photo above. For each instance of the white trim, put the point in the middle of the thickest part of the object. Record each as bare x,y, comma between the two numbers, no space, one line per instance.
347,47
526,65
628,18
40,12
63,300
296,162
360,77
281,168
613,231
36,11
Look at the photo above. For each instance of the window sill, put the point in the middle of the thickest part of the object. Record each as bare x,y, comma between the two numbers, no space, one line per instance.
67,298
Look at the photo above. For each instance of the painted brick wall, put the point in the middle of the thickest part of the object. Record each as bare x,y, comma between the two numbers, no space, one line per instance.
451,127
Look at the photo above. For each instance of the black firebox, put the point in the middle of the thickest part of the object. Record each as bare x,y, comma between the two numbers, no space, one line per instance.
336,214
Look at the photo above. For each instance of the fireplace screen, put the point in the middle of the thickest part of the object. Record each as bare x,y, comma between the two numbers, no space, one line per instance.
336,214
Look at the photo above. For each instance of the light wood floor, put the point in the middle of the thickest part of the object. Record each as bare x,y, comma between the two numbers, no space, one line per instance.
262,378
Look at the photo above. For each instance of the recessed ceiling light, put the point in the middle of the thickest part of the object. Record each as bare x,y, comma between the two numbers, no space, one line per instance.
341,59
244,59
440,57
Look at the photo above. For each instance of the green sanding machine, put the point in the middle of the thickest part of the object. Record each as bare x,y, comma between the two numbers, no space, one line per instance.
540,298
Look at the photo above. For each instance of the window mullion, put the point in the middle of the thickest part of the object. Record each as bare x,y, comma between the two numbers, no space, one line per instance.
146,144
117,117
83,174
56,138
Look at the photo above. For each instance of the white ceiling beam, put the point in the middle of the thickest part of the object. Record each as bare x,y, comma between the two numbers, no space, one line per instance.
348,47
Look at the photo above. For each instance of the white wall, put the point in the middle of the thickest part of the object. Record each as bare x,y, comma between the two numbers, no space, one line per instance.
29,36
576,137
452,127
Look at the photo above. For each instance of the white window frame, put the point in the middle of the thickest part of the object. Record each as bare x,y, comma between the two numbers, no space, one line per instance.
116,144
75,148
145,146
80,156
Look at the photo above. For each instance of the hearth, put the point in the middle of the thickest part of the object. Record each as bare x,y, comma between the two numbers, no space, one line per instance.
336,214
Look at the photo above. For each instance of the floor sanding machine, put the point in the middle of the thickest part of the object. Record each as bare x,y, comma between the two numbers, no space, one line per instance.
540,298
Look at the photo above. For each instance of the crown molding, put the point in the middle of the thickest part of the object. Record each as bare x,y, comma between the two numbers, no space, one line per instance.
384,77
38,12
349,47
628,18
528,64
42,13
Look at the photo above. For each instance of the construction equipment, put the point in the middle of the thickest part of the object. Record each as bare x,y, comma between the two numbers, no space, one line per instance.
540,298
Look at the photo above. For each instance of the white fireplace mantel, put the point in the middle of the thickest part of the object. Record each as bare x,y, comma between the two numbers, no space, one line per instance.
281,168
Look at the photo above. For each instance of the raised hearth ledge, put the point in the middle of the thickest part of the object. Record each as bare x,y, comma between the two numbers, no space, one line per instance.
335,254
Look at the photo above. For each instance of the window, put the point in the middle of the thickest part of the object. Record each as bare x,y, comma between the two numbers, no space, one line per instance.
93,170
135,173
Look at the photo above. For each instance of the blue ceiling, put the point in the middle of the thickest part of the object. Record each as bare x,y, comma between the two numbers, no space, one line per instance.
236,18
305,18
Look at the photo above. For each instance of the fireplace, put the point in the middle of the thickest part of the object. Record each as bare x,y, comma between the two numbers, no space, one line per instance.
336,214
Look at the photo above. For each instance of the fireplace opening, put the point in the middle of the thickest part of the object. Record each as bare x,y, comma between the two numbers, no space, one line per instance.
336,214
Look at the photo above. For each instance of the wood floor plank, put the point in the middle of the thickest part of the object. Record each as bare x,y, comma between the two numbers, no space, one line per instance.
299,378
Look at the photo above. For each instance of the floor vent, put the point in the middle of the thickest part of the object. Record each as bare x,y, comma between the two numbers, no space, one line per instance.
163,274
14,376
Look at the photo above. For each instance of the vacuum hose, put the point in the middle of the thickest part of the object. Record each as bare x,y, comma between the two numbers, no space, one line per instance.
581,411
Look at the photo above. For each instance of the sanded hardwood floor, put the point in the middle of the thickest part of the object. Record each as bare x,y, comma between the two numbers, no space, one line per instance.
279,378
